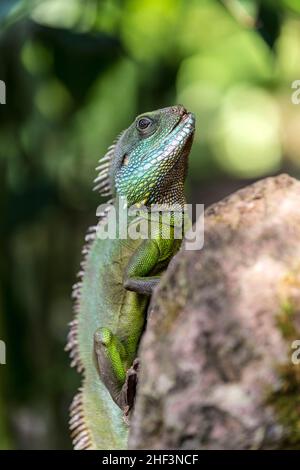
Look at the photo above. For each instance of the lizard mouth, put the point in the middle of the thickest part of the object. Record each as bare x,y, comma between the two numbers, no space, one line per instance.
185,124
182,131
183,117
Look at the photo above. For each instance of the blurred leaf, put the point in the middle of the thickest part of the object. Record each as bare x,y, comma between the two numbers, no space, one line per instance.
269,21
7,7
247,131
36,57
13,10
149,28
78,57
292,4
244,11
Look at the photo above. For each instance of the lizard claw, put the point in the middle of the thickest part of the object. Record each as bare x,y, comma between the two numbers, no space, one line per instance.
128,392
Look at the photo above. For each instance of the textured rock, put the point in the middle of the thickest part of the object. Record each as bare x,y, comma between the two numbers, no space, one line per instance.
216,357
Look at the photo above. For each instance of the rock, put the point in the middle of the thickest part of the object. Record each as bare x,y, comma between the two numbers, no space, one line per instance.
217,370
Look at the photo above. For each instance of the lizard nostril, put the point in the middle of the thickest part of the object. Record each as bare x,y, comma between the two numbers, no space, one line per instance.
180,109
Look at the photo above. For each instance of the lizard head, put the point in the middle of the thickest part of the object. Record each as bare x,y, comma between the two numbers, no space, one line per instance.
148,163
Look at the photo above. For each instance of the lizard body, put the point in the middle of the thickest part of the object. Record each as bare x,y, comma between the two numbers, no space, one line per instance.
147,165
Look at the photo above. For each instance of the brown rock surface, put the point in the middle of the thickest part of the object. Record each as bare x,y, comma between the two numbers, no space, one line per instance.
216,357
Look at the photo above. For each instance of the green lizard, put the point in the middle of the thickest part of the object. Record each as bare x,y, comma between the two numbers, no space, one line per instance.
147,165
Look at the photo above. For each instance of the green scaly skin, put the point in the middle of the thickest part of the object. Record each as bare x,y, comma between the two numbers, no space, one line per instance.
147,165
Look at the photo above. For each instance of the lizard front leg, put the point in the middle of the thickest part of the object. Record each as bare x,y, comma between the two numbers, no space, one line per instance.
110,353
143,262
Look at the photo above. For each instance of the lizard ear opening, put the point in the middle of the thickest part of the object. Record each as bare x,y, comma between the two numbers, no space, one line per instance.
125,160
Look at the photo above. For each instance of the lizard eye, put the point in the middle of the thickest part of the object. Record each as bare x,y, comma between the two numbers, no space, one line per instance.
143,123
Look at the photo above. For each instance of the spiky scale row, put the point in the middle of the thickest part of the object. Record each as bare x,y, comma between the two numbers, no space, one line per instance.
79,431
102,181
103,184
72,343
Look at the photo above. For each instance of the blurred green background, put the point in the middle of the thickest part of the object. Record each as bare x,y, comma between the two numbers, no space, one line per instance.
77,72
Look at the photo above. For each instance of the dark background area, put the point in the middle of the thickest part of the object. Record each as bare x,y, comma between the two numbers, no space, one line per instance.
76,74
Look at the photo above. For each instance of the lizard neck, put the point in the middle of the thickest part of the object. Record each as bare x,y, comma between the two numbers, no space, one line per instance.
172,195
172,191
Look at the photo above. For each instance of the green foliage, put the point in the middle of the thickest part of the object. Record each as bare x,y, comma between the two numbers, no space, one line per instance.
285,401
